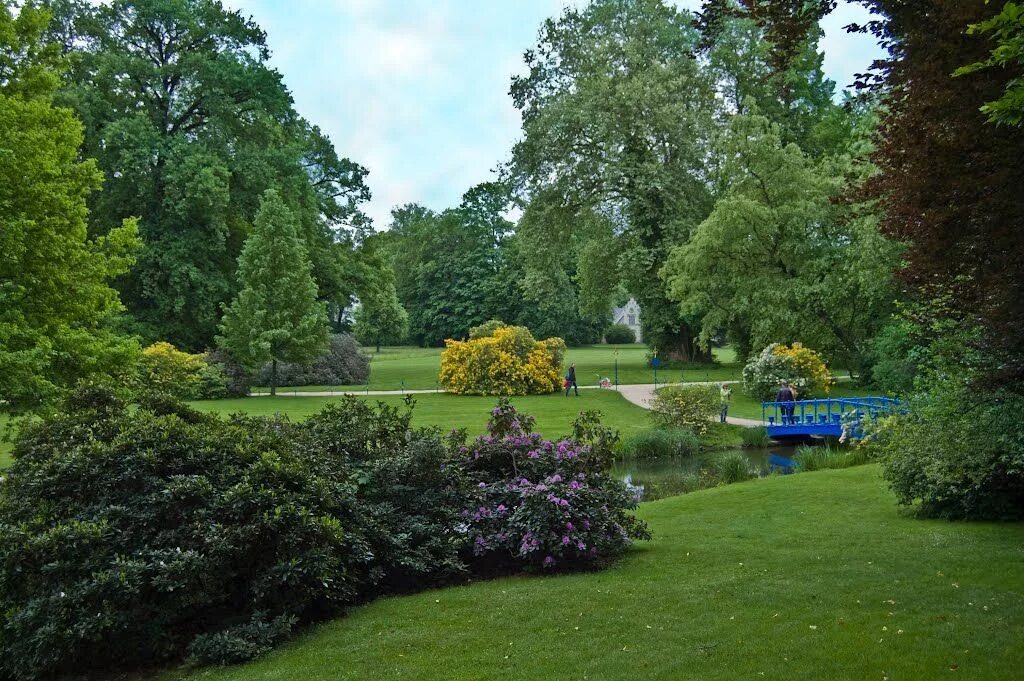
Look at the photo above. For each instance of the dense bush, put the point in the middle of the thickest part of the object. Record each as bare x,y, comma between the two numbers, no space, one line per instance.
690,407
165,369
959,453
486,329
507,362
546,504
658,442
237,379
619,334
128,537
897,358
344,363
802,367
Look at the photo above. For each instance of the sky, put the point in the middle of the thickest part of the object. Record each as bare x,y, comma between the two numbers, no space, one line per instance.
417,90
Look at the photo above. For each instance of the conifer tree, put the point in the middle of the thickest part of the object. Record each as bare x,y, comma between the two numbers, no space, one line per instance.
276,316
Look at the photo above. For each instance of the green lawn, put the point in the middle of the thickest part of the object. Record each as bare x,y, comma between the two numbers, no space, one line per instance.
555,413
809,576
416,368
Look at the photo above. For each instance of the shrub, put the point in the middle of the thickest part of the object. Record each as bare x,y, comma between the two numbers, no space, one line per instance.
238,380
732,468
898,357
545,504
343,364
690,407
801,367
165,369
755,437
659,442
959,463
161,530
508,362
619,334
486,329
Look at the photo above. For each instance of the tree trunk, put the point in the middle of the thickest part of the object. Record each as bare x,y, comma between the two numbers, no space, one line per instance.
273,377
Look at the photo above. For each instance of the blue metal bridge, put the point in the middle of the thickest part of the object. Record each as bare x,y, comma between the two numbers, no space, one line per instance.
827,417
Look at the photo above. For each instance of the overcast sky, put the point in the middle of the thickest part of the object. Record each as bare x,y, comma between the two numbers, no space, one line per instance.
417,90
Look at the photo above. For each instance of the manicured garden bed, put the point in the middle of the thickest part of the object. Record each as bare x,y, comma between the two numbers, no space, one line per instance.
811,576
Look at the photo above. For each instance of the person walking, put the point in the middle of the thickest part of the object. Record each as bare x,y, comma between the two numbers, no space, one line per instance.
786,397
570,381
725,393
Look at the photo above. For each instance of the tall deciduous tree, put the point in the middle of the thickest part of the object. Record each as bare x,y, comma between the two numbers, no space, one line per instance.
276,315
380,317
778,259
191,125
616,112
55,300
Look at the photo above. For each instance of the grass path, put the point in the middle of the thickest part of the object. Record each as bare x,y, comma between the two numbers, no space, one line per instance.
812,576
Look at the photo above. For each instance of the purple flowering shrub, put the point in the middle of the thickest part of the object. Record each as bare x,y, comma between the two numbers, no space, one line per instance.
544,503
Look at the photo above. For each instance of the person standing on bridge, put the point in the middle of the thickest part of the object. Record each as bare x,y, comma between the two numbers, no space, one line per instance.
570,381
725,393
786,396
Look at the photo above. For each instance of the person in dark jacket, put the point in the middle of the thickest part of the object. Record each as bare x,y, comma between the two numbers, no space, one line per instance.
787,397
570,381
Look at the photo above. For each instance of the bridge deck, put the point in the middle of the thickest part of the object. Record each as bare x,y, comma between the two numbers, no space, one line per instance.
825,417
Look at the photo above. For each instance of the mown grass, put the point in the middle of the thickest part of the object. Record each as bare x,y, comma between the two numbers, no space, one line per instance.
815,576
555,413
396,368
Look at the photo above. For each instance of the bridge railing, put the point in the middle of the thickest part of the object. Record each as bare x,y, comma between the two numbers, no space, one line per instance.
828,411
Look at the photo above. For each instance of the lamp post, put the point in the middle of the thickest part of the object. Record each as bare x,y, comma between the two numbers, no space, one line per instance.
655,362
616,353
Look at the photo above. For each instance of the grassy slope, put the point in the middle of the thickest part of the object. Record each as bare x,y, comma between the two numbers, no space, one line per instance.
416,368
554,413
814,576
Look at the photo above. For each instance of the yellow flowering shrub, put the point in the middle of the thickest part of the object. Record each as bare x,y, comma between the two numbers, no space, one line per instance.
169,370
509,361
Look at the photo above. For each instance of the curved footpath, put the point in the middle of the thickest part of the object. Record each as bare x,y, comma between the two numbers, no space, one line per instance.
639,394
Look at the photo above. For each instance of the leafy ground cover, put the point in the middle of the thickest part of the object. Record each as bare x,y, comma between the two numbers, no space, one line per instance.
555,413
416,368
810,576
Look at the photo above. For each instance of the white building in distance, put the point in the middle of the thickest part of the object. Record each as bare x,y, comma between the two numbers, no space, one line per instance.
629,314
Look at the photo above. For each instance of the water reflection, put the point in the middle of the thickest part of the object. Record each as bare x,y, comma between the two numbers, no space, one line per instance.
670,476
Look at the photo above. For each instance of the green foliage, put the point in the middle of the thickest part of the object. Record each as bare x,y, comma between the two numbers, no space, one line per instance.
619,334
660,442
778,258
1006,29
898,356
690,407
958,453
616,113
56,307
486,329
819,458
380,317
276,316
191,125
344,363
177,531
237,378
755,437
732,468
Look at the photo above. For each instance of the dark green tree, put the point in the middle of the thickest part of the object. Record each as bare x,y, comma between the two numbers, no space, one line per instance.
380,317
56,304
191,125
276,315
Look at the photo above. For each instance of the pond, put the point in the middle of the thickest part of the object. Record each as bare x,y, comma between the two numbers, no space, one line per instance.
670,476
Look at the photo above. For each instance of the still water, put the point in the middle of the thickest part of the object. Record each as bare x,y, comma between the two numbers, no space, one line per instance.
669,476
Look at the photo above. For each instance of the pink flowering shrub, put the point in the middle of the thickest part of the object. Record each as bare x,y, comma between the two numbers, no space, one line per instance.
544,503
